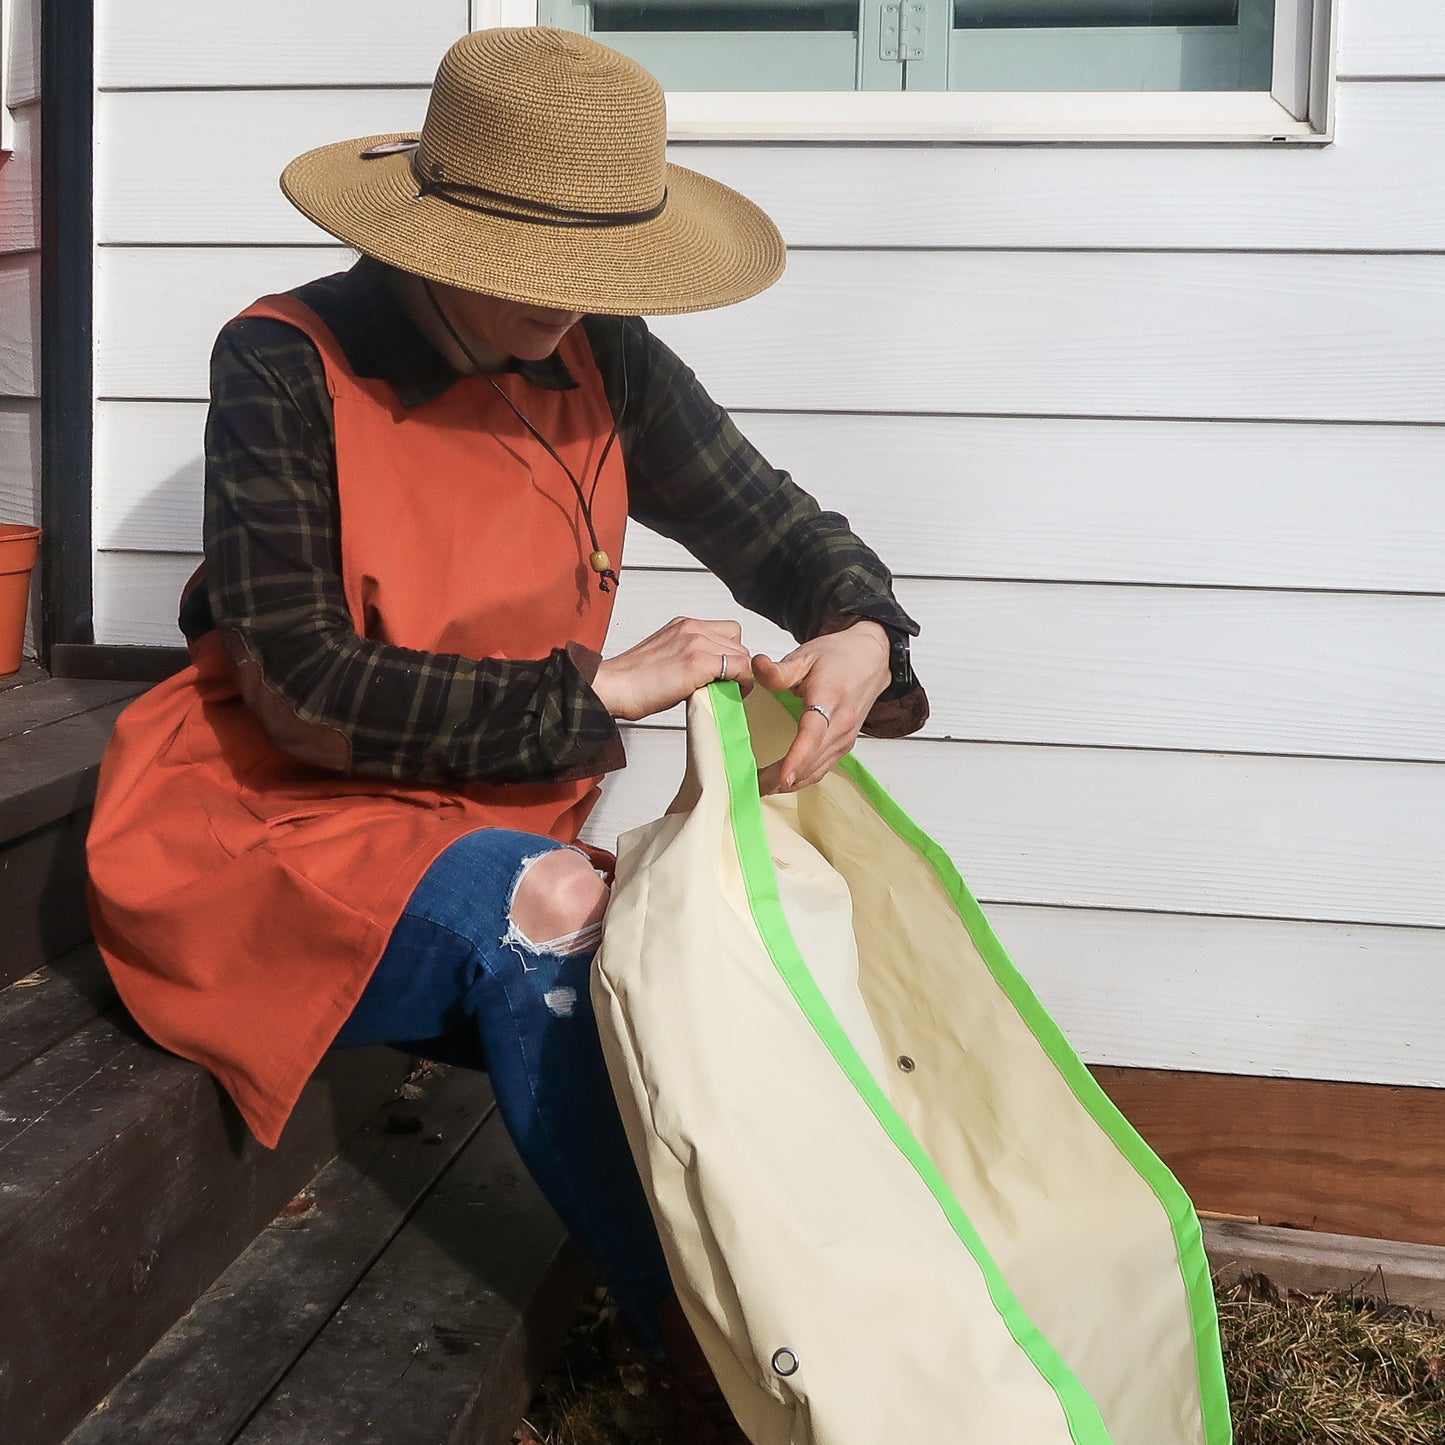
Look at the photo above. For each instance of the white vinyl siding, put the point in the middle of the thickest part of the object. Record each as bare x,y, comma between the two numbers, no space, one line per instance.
20,325
1257,505
225,149
1171,334
174,44
1152,438
1391,39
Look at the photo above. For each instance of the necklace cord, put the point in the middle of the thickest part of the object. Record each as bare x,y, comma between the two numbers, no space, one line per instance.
583,498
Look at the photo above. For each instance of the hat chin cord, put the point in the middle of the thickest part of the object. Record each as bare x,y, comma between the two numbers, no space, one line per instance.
599,561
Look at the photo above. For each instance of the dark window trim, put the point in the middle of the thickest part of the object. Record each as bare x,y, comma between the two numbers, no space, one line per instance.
67,106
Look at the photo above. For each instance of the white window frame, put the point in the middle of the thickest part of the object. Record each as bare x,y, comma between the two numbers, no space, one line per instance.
1299,110
7,120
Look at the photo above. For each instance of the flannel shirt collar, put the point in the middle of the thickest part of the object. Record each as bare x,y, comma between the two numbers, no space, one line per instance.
383,343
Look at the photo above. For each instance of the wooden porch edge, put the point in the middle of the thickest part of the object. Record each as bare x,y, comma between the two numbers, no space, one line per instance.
1299,1259
1364,1160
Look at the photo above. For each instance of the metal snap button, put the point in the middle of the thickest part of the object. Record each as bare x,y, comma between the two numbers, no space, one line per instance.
785,1362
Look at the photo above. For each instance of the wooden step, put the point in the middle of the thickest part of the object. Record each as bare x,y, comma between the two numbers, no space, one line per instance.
42,895
46,1007
41,701
52,736
30,672
127,1183
448,1334
53,732
413,1293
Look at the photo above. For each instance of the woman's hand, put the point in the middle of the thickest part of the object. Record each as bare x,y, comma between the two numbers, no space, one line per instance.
843,673
671,665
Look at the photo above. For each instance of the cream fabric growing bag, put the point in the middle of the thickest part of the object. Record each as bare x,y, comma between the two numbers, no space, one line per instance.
895,1204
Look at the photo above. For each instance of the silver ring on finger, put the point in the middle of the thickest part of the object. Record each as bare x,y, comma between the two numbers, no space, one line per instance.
723,675
827,716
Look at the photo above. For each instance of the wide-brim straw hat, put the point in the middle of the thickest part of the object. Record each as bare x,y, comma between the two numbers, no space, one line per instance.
541,176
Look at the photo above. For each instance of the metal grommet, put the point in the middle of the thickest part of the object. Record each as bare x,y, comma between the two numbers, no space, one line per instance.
785,1362
906,1064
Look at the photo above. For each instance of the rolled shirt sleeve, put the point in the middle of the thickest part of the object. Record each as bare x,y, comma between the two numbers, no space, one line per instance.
694,477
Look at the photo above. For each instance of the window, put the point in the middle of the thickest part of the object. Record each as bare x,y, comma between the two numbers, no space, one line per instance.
937,44
1204,70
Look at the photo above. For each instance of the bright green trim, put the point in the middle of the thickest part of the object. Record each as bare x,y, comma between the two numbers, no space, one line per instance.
1086,1425
1193,1262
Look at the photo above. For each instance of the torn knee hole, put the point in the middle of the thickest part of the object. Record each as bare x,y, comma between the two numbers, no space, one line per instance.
557,904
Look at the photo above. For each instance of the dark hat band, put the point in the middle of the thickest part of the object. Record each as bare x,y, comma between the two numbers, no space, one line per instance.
538,213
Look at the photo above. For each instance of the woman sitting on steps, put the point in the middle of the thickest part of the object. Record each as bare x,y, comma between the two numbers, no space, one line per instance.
353,818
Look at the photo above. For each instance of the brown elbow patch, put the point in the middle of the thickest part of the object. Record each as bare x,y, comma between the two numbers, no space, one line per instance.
897,717
611,757
318,744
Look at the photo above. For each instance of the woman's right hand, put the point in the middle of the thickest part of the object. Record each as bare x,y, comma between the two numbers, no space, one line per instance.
671,665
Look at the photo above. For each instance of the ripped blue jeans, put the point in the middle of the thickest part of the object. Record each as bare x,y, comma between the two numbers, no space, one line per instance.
459,982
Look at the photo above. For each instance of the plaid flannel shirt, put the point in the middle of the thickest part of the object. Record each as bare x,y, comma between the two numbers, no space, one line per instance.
273,565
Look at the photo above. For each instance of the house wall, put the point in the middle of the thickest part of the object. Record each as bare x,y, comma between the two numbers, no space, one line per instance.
20,269
1151,436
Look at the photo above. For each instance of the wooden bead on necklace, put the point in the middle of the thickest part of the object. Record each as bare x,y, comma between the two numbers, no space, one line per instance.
599,561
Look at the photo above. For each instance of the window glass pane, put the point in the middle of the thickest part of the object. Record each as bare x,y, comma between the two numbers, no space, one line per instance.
736,16
1011,14
1111,45
1100,45
730,45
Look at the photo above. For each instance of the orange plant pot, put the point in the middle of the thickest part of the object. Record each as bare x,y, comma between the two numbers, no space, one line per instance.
19,547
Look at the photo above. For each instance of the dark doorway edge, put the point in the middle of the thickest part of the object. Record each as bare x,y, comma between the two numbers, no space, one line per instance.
67,106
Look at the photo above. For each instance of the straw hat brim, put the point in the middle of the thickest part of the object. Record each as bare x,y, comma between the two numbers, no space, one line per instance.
709,247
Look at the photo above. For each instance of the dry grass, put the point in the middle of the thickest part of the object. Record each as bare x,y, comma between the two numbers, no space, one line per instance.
1330,1370
597,1393
1303,1370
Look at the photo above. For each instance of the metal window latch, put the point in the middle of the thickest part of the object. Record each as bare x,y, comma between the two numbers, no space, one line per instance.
903,32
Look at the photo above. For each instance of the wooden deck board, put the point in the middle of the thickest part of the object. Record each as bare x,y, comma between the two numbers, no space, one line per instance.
53,732
46,1007
1299,1259
458,1317
203,1380
51,771
27,708
29,674
127,1183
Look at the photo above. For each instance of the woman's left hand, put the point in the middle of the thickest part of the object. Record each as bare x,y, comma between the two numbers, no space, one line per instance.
843,673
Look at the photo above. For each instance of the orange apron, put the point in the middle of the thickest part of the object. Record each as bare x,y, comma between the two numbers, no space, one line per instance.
242,898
